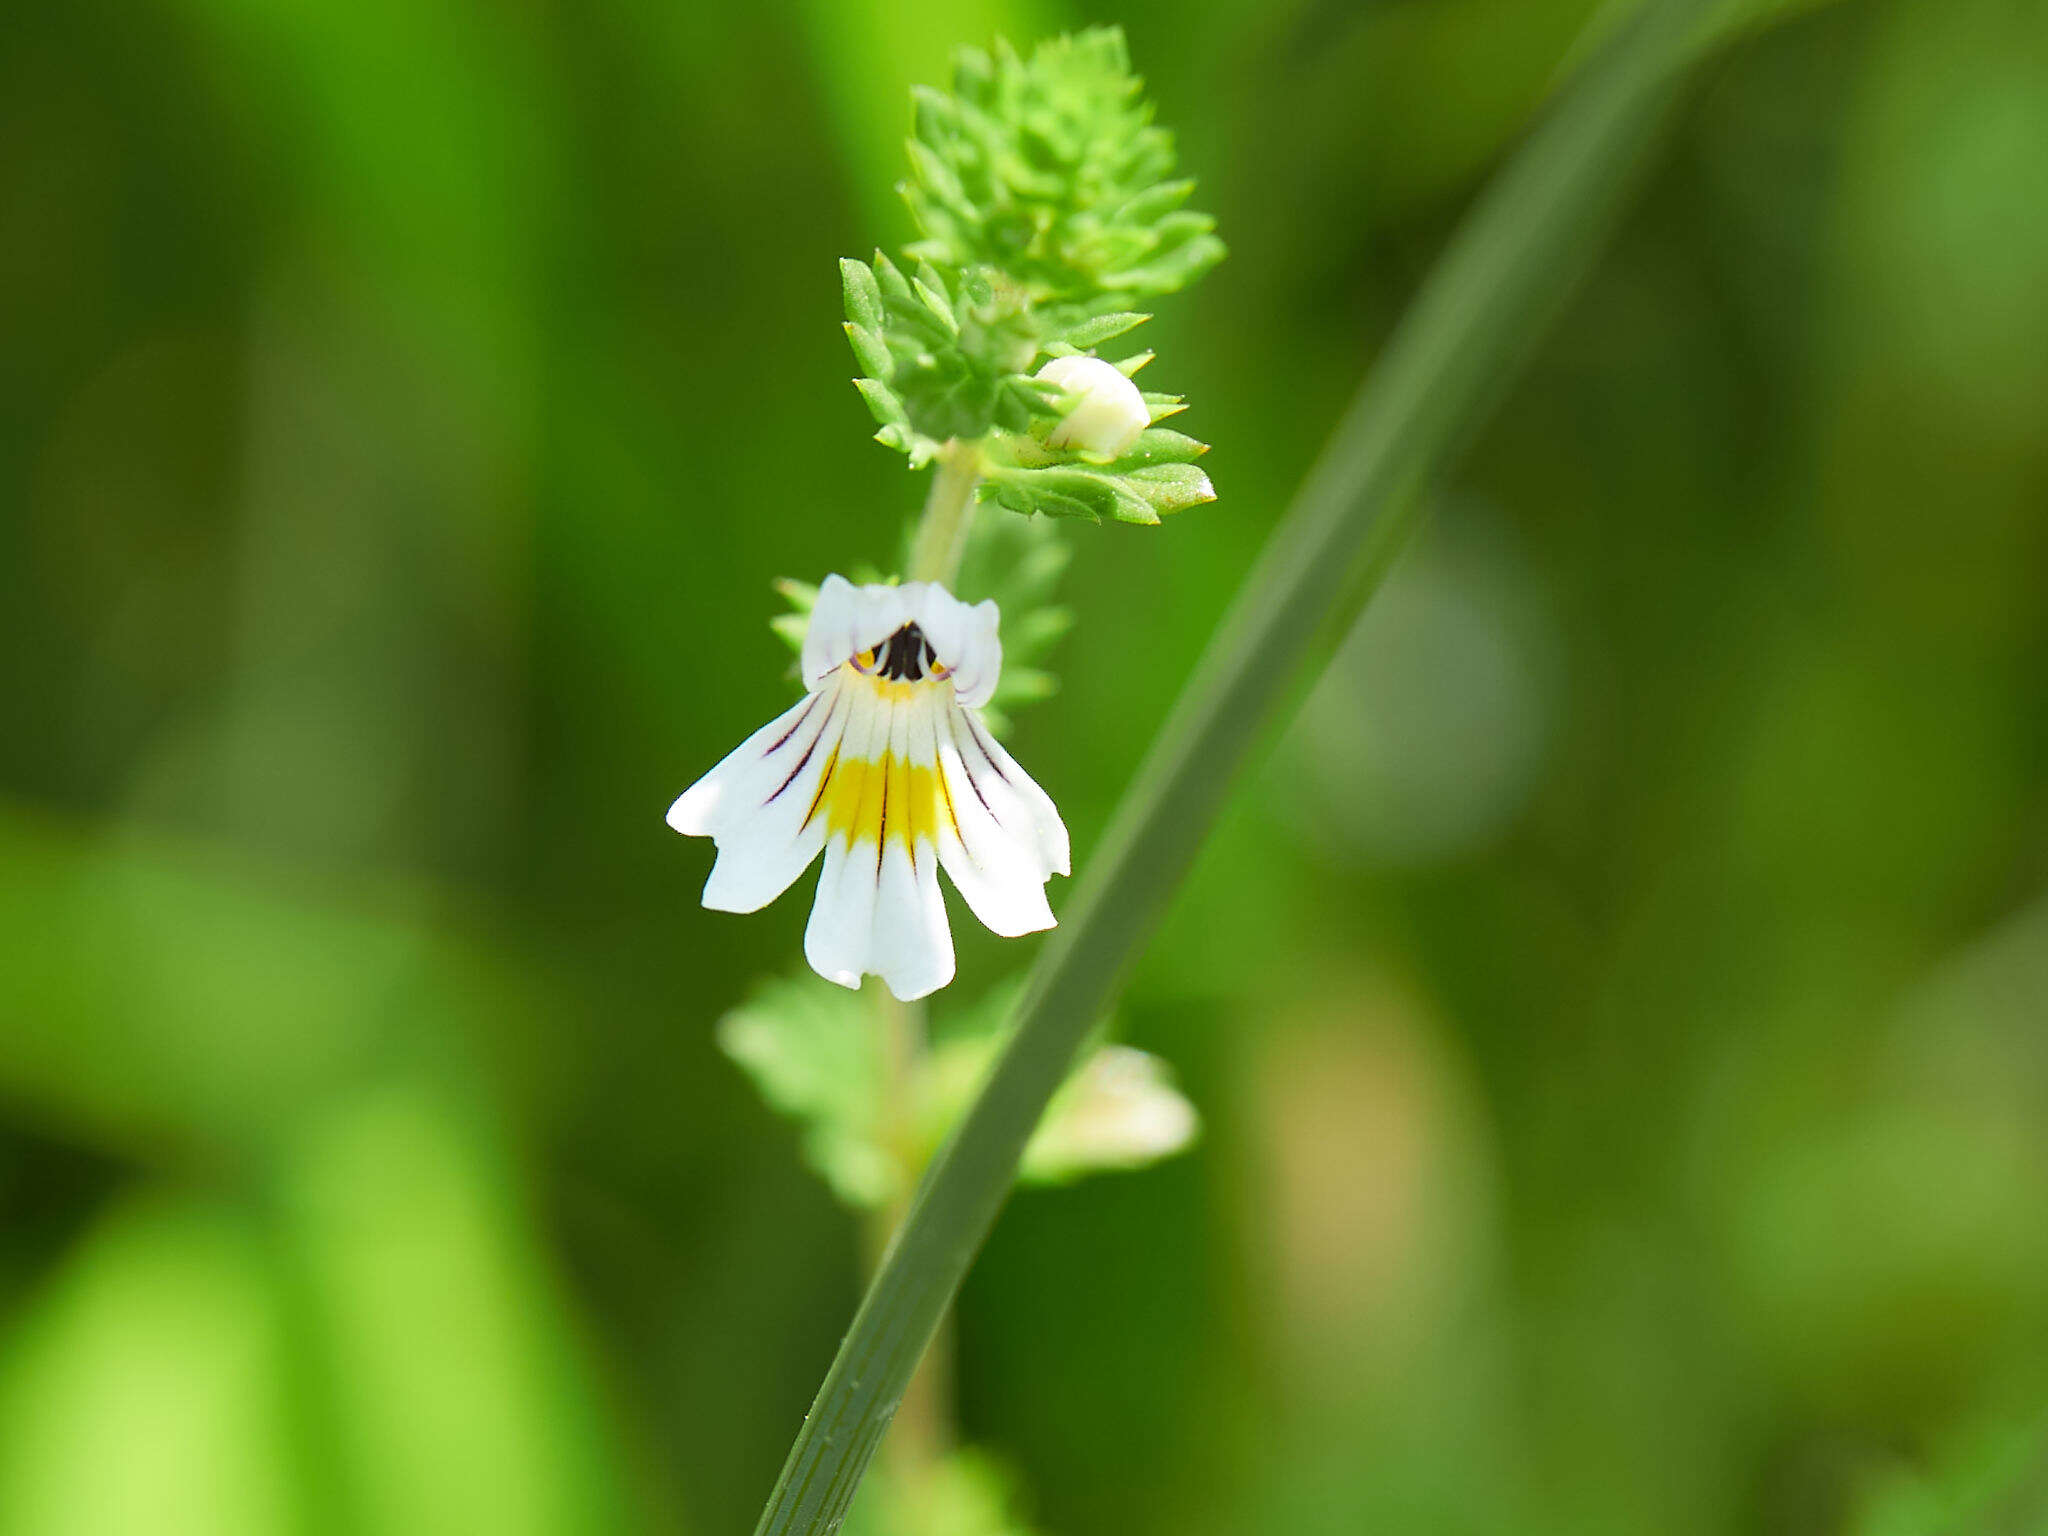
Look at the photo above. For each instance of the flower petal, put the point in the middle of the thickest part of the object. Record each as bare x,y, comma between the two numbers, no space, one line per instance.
846,620
1050,833
840,933
988,840
967,641
912,948
756,803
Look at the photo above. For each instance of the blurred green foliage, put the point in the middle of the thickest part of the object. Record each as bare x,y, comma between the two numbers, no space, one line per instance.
1616,1009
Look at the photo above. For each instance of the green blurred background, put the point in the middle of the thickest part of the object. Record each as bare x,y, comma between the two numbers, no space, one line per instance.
1619,1004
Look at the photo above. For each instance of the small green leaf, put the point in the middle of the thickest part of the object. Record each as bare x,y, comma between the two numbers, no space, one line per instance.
1159,445
869,350
863,294
1094,332
882,403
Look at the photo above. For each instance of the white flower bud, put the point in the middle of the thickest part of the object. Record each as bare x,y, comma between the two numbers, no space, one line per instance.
1120,1110
1111,413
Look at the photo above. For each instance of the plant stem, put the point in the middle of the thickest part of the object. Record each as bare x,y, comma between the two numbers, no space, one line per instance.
922,1430
942,529
1508,270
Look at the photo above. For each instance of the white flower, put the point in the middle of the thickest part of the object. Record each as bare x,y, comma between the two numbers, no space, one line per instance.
1110,413
886,767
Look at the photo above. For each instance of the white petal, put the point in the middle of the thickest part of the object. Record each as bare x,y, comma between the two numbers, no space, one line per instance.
828,640
963,637
754,804
1050,832
987,839
912,948
841,931
839,937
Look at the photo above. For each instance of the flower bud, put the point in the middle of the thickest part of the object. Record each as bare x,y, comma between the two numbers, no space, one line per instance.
1109,414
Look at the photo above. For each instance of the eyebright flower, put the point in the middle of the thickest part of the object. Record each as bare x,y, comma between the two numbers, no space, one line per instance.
1110,414
885,766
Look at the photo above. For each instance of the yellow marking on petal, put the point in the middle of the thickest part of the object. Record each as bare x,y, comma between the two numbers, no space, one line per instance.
890,690
952,814
890,797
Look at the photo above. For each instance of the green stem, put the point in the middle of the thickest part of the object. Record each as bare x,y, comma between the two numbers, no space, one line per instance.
941,540
923,1425
1506,273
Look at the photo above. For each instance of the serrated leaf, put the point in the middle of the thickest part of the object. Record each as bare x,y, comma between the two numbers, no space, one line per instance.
1022,496
813,1054
1052,169
1171,487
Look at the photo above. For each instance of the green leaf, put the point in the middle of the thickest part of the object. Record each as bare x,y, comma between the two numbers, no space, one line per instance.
1100,328
863,294
811,1050
869,350
882,402
1052,169
1170,487
1141,495
1158,445
944,353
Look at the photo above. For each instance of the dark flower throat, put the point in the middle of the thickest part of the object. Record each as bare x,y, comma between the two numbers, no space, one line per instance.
906,655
